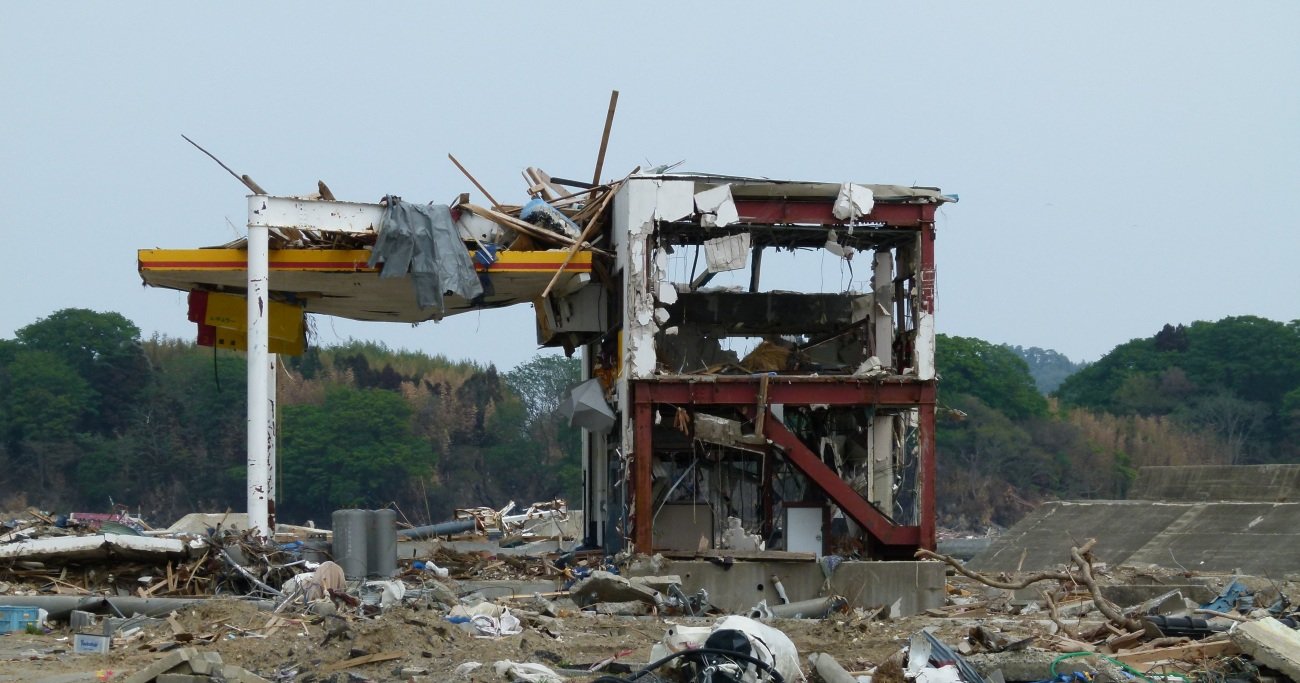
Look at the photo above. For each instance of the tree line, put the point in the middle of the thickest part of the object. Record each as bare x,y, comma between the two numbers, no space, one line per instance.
1208,393
92,415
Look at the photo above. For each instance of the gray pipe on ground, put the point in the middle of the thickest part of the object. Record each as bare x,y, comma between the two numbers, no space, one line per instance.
458,526
60,606
829,670
816,608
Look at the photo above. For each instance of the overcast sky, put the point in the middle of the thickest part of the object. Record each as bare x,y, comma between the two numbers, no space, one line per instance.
1120,165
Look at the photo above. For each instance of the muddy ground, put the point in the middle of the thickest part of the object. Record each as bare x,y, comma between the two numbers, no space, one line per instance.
427,641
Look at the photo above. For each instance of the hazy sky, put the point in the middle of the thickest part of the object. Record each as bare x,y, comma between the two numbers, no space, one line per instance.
1120,165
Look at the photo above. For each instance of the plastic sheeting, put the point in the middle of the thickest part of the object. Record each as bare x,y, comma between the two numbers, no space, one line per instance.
421,240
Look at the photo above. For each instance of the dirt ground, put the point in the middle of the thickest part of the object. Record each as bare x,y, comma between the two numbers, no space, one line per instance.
300,651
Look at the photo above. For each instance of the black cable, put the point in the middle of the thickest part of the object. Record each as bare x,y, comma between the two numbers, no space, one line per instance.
764,666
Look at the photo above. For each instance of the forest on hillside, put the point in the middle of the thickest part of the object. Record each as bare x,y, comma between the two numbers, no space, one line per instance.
92,415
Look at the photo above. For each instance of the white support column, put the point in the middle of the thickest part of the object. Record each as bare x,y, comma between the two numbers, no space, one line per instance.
273,438
882,427
260,428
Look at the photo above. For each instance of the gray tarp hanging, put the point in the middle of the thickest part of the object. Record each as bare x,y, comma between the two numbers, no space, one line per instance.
422,241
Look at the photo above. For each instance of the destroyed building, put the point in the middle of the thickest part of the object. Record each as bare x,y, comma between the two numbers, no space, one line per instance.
822,436
818,439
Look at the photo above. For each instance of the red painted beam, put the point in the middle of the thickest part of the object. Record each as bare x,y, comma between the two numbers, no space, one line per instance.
642,473
926,464
784,390
840,492
818,212
928,275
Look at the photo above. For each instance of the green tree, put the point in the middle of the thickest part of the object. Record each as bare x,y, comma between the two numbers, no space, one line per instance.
542,382
104,348
356,449
43,403
994,374
1048,368
1230,378
43,398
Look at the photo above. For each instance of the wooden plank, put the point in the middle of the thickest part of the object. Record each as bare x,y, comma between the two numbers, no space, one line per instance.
518,225
604,137
587,233
1192,652
472,179
363,659
544,179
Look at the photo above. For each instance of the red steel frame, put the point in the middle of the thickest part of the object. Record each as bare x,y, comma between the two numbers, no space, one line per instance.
744,393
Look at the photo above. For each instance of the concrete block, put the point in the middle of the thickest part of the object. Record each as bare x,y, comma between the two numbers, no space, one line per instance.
80,620
205,662
182,678
1270,643
737,589
1130,595
657,583
493,589
168,662
601,586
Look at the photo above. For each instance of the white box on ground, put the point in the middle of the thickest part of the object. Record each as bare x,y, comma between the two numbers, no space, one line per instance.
90,643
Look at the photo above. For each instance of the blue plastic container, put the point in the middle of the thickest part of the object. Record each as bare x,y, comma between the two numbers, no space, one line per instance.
17,618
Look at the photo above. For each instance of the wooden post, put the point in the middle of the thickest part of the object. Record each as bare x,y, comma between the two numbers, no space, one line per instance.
604,138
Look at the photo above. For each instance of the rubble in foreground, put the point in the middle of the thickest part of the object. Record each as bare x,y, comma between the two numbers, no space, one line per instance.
185,606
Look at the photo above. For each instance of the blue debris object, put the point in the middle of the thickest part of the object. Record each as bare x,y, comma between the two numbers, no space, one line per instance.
1230,597
486,254
541,214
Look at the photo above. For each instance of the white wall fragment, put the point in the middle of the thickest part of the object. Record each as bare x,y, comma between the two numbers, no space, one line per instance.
924,346
716,207
727,253
853,202
674,200
833,246
667,293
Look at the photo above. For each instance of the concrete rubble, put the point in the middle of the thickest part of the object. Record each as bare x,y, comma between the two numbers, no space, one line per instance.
461,607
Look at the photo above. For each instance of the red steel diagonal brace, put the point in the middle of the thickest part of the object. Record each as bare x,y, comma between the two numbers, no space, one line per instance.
840,492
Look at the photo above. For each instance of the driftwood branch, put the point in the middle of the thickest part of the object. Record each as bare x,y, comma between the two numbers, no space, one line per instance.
994,583
1082,559
1056,617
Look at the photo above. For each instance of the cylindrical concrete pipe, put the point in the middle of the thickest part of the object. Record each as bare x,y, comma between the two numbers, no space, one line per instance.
816,608
351,528
381,548
829,670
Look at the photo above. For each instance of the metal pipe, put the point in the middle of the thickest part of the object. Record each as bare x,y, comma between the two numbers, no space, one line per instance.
458,526
780,590
259,428
816,608
61,606
829,670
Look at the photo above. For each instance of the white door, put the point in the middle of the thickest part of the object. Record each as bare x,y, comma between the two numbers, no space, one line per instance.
803,530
